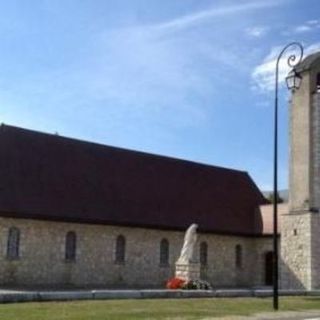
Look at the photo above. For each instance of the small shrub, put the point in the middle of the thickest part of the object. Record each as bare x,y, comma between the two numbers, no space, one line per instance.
197,285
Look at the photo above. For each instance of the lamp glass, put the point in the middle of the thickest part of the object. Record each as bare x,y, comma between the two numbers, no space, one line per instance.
290,81
297,80
293,80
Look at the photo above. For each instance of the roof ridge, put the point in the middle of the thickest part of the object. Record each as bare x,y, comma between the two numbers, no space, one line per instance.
142,153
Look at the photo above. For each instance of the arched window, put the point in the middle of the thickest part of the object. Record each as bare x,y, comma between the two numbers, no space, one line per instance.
164,252
120,249
203,253
71,246
238,256
13,243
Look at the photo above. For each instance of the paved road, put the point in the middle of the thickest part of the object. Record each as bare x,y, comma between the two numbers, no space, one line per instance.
308,315
289,316
303,318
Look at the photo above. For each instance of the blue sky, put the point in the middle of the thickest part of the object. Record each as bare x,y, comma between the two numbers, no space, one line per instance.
189,79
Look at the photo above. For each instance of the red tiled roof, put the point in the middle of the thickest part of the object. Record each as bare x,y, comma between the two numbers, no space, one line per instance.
44,176
266,212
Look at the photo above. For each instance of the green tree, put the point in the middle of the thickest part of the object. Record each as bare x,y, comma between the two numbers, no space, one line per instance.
271,198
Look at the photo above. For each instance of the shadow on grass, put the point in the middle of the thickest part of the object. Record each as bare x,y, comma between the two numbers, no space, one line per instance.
311,299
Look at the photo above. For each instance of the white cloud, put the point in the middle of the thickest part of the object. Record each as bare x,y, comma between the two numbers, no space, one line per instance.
313,22
202,16
145,72
156,71
256,32
263,75
308,26
302,28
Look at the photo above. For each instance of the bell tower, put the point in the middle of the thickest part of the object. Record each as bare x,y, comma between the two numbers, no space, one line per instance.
300,230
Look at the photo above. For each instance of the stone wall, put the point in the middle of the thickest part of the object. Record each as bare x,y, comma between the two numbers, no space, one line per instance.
300,146
296,251
315,251
315,152
300,252
300,244
42,256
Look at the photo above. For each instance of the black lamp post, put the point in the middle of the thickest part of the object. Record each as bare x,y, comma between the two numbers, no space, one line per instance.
293,81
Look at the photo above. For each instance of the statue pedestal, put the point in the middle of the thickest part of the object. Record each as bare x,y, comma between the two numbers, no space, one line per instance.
188,271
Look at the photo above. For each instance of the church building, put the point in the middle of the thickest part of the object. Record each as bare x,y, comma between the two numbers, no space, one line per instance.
85,214
76,213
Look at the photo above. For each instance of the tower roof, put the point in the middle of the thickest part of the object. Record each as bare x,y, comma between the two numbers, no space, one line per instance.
308,62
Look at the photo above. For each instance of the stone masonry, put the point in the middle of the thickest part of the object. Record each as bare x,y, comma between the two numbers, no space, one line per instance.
188,271
42,256
315,155
295,251
300,244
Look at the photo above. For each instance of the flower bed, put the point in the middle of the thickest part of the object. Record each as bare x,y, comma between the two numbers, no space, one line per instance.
177,283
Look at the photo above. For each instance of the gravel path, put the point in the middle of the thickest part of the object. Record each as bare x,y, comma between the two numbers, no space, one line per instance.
290,315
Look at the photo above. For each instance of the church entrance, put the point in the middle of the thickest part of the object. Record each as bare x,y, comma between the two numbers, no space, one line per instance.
268,260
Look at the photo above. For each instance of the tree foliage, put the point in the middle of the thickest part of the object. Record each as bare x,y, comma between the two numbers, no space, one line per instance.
271,198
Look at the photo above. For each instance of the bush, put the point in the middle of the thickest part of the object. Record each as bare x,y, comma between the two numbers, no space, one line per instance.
197,285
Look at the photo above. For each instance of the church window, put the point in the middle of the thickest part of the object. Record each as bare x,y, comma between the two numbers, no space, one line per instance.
164,252
71,246
120,249
13,243
238,256
203,253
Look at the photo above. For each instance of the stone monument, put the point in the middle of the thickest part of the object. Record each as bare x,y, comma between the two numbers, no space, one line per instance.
186,267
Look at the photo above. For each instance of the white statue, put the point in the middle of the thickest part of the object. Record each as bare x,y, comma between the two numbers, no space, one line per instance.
190,240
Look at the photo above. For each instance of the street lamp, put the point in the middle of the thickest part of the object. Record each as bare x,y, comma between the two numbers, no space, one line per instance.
293,81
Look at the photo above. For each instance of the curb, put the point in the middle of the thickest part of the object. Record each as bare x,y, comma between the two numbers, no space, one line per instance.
37,296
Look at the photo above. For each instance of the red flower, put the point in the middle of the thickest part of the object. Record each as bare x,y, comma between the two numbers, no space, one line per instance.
175,283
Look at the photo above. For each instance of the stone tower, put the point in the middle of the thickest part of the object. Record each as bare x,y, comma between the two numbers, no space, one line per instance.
300,231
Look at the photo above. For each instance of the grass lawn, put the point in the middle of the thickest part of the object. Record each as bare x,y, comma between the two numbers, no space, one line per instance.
151,309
